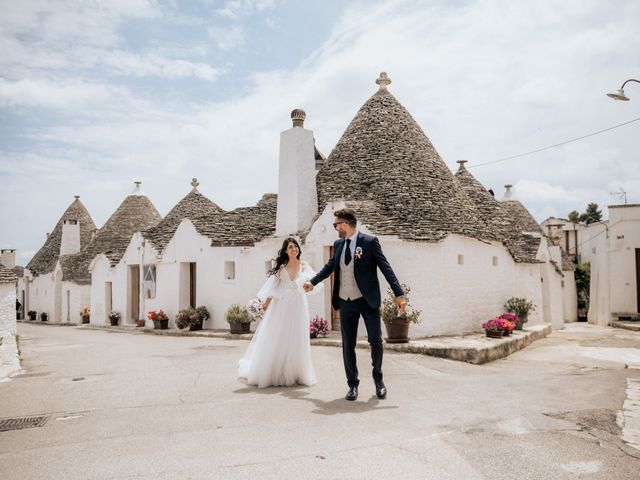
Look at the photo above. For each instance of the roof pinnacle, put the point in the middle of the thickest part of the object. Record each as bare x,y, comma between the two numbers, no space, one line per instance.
194,184
383,80
461,168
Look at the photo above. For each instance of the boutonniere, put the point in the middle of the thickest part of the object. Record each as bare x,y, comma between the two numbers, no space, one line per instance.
358,252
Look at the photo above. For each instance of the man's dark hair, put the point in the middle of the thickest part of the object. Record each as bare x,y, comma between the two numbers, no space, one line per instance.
347,215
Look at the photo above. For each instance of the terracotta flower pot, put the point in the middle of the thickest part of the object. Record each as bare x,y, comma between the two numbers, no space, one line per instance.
140,323
494,334
397,331
238,327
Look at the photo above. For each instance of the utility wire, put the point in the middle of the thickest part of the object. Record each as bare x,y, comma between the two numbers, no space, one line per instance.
554,146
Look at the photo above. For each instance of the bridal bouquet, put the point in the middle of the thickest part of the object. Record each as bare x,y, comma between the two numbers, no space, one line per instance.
255,309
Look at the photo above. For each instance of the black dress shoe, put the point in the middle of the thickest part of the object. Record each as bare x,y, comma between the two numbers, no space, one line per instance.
352,394
381,391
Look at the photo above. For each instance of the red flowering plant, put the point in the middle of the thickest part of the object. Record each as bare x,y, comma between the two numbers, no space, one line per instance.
319,326
159,315
495,325
511,319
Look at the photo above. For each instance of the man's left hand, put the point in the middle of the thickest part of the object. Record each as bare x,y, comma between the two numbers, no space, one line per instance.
401,303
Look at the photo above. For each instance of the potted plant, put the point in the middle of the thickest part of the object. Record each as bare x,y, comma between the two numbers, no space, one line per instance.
85,314
511,320
192,318
238,318
397,326
44,316
318,326
32,314
203,314
114,318
140,322
521,307
159,318
495,327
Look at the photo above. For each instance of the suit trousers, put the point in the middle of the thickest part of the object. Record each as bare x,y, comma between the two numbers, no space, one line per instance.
350,311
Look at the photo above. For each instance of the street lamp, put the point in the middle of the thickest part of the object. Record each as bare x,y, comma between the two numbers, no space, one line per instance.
619,94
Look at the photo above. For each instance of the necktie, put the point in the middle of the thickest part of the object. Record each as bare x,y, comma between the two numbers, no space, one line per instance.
347,253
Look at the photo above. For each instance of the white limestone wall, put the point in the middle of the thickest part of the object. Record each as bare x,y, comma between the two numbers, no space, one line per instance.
7,309
528,285
79,297
70,241
569,297
297,197
42,295
624,239
599,294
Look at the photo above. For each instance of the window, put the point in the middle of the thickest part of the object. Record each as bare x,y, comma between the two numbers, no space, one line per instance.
229,270
494,261
149,281
460,259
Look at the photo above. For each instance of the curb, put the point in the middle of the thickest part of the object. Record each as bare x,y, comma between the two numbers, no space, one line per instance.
9,358
634,326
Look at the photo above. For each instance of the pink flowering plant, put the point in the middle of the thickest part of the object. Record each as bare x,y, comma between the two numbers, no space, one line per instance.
255,309
319,326
495,325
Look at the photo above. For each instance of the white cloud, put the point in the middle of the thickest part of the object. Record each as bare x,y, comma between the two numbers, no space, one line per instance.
237,8
73,93
227,38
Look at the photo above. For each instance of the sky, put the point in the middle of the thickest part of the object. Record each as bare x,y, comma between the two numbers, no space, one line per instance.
97,94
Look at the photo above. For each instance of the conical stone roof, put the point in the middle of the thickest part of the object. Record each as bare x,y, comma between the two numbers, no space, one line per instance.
44,261
500,221
135,214
384,160
194,205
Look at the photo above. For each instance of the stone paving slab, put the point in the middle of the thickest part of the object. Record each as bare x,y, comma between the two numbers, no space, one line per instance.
631,414
474,348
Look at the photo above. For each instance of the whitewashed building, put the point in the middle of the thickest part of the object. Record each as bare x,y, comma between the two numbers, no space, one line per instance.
613,250
462,252
47,284
8,281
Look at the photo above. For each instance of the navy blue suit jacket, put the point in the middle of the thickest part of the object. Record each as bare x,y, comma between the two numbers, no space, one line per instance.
365,270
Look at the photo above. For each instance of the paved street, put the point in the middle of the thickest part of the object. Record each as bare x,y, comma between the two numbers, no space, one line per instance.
130,405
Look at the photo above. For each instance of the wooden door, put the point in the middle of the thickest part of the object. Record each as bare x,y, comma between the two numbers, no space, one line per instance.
135,292
192,285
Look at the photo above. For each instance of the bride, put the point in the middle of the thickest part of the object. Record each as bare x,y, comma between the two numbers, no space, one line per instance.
280,352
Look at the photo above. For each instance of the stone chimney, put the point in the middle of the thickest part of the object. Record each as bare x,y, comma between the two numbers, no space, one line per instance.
297,196
70,242
8,257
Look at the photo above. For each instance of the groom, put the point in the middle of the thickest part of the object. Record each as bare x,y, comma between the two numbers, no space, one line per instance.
356,291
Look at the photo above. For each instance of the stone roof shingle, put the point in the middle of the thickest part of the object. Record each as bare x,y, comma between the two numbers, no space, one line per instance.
44,261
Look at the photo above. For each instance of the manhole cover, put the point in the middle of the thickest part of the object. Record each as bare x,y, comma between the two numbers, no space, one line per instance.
20,423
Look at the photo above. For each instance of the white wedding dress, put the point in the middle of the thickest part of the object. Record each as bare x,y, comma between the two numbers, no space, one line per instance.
280,352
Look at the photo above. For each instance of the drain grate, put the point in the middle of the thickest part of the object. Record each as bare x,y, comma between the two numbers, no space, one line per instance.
9,424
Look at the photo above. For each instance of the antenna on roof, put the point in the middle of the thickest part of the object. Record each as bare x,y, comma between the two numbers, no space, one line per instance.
622,195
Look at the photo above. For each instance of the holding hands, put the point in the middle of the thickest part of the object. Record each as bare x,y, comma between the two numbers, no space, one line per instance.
307,286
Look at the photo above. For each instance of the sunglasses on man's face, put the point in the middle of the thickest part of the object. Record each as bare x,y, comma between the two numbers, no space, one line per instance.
337,223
